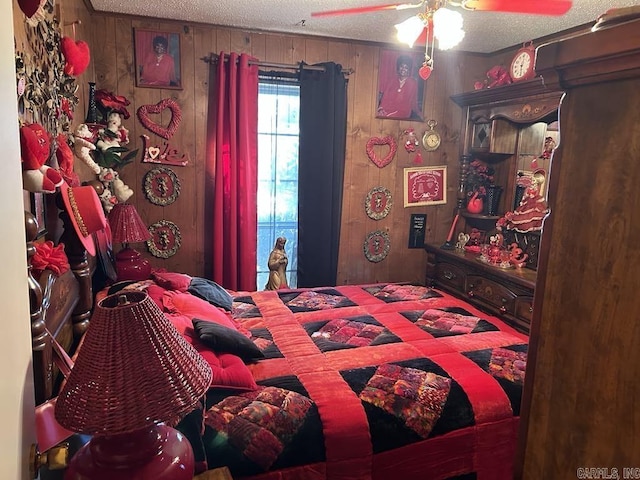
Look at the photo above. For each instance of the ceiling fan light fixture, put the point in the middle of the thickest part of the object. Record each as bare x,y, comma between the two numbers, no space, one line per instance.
410,30
447,28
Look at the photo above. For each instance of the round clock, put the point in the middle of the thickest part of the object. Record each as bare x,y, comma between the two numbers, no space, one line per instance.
523,63
431,139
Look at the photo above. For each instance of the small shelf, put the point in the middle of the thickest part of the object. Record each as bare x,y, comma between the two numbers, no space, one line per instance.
479,216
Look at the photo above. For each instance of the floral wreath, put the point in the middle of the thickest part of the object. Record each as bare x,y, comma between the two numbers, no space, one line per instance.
388,140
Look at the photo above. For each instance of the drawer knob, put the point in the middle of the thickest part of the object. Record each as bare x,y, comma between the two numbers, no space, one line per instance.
449,275
470,293
503,309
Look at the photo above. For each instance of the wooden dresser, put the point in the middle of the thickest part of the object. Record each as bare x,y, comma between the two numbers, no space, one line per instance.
507,294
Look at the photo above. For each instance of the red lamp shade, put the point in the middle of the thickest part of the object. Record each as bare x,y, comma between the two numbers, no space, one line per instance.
133,372
127,227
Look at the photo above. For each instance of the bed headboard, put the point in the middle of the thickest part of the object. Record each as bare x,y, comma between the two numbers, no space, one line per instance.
60,307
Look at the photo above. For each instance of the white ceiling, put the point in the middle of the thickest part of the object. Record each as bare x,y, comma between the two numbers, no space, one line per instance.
486,32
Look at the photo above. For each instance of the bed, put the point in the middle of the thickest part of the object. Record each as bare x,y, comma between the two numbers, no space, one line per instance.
357,381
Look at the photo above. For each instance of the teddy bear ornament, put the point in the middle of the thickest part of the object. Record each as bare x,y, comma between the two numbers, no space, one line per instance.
35,148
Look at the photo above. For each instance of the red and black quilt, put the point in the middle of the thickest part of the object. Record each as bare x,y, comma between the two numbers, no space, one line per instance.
375,381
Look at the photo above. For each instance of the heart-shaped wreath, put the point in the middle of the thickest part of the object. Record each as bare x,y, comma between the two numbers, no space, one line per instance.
176,117
393,146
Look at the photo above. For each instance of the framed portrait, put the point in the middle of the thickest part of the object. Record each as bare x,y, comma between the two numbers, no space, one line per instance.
425,186
400,88
157,56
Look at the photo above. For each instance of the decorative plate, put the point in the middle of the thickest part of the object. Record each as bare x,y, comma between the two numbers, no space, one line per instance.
378,203
376,246
165,239
161,186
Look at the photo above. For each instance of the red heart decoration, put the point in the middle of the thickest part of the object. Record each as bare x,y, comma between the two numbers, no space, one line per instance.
176,117
393,146
425,71
76,55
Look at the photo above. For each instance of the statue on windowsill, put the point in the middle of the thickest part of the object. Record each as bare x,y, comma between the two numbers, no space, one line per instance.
277,266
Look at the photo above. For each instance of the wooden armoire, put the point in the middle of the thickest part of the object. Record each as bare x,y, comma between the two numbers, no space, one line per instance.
582,394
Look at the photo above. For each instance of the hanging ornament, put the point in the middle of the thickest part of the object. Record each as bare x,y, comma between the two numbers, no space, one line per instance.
410,140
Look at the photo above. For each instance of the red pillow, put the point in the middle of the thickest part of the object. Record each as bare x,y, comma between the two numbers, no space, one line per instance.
229,371
194,307
172,281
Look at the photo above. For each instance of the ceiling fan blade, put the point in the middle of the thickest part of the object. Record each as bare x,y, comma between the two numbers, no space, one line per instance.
534,7
375,8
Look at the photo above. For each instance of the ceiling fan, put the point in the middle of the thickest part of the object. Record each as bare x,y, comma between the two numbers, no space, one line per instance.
437,22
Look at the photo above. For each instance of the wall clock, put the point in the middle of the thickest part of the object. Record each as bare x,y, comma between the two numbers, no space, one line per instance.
376,246
378,203
523,63
165,239
161,186
431,139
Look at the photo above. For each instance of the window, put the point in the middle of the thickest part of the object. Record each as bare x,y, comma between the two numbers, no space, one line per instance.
278,135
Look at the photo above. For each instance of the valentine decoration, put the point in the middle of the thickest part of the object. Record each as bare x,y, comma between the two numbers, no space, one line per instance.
161,186
83,145
425,186
378,203
165,239
76,56
376,246
176,117
410,140
497,76
376,141
35,146
34,10
166,155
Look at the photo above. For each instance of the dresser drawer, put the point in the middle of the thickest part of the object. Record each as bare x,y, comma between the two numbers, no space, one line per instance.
450,275
524,308
491,293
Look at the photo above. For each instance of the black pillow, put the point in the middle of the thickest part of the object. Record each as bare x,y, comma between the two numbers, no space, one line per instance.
223,339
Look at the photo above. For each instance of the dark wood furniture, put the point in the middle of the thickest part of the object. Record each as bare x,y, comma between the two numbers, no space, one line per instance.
507,294
60,307
583,372
504,127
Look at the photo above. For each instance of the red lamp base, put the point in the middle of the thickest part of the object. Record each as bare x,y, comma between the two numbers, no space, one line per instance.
158,453
131,266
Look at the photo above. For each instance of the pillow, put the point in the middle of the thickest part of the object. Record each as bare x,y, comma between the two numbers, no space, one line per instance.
222,339
194,307
211,292
171,281
229,371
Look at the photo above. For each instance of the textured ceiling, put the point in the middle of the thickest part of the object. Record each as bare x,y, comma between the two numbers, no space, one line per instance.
486,32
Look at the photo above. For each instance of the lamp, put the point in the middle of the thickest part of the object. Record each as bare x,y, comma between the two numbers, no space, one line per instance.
127,227
436,23
133,372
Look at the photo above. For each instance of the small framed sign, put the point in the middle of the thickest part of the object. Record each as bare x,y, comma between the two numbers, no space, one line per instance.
425,186
417,229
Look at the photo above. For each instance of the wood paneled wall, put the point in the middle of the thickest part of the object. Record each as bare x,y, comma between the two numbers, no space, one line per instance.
112,67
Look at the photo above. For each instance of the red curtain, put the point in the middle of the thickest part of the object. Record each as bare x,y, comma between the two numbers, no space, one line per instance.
231,182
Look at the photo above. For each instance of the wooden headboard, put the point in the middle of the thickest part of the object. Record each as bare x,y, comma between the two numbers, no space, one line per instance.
60,306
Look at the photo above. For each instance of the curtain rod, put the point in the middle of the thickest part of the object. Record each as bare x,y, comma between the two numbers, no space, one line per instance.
214,57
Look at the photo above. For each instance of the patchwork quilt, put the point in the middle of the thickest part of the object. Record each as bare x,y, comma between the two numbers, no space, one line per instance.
369,382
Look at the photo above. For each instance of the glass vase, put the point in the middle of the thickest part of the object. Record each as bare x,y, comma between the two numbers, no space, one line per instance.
492,199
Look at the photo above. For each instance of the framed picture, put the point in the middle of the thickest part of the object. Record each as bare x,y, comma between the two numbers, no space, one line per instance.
157,56
39,210
425,186
400,88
